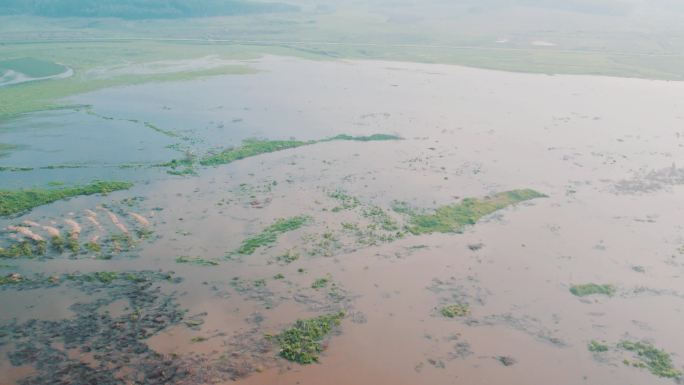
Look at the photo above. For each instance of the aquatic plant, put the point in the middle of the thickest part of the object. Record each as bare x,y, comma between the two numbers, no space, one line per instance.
453,218
249,148
73,245
196,261
320,283
289,257
270,234
597,347
303,342
592,288
455,310
380,218
19,201
24,249
279,276
57,243
93,247
347,202
655,360
253,147
11,279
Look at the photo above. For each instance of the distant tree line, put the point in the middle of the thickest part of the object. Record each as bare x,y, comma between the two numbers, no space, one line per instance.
138,9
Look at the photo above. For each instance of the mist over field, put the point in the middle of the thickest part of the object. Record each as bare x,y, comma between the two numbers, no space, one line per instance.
341,192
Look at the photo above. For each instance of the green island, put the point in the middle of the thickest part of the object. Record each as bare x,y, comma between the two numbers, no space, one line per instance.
20,201
453,218
303,342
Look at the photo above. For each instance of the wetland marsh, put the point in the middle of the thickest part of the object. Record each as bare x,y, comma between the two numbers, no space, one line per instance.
343,221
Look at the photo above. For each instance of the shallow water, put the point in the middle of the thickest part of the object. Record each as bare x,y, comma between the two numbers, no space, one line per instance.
468,133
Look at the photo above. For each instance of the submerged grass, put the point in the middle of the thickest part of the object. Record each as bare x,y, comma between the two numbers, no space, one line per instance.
15,202
253,147
320,283
270,234
455,310
249,148
597,347
196,261
303,342
592,288
453,218
655,360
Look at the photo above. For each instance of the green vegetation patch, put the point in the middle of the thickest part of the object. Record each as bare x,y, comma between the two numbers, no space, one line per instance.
196,261
592,288
455,310
11,279
253,147
24,249
347,202
303,342
380,218
270,234
453,218
655,360
597,347
249,148
15,202
289,257
320,283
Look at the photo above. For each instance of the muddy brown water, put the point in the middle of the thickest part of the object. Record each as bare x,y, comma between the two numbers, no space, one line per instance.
468,132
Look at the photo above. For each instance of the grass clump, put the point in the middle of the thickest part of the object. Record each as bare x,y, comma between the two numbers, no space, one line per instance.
11,279
347,202
73,245
249,148
655,360
320,283
453,218
380,218
597,347
289,257
24,249
196,261
15,202
93,247
303,342
592,288
455,310
270,234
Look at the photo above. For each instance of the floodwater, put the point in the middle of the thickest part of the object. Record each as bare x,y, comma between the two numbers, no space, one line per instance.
606,151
